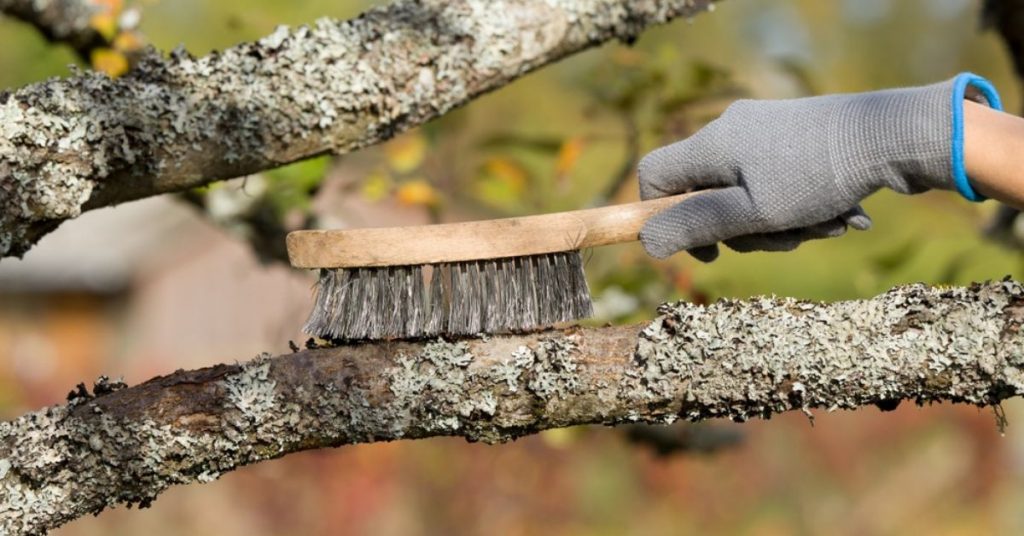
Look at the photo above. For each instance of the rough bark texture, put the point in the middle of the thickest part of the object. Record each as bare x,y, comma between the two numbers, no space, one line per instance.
60,21
179,122
733,359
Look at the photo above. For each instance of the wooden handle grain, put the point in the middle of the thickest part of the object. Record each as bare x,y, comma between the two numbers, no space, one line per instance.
475,240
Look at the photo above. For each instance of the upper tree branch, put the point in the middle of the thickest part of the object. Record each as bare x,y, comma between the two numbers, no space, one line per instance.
60,21
172,124
733,359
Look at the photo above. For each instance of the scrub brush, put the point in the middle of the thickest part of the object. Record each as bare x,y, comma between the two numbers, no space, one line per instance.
492,276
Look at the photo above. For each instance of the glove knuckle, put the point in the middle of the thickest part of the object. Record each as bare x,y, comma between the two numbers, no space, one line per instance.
649,175
656,248
654,162
645,168
737,107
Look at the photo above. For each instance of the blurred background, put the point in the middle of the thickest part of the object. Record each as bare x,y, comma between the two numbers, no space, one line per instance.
196,279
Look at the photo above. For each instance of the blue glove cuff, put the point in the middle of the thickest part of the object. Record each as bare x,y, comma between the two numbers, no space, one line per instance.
960,84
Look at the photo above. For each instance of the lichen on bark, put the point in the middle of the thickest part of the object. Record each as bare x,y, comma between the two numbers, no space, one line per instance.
734,359
177,122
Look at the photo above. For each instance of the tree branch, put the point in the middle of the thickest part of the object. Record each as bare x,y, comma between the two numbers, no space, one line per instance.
175,123
732,359
60,21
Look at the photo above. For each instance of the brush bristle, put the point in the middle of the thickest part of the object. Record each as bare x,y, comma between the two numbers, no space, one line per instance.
463,298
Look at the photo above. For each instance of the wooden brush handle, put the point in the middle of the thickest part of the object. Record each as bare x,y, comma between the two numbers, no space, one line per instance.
474,240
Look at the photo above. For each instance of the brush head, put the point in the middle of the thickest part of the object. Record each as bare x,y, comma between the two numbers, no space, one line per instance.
512,294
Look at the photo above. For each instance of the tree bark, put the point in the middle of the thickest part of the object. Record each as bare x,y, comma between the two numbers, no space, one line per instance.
175,123
732,359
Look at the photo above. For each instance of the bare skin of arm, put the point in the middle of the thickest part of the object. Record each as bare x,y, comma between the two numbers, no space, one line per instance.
994,153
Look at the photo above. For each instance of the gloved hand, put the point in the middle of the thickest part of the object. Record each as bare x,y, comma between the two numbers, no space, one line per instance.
786,171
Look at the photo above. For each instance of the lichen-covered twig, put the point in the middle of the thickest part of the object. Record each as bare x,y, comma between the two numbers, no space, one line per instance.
60,21
733,359
179,122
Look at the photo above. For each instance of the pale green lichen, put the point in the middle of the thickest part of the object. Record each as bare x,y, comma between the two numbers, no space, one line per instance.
251,391
553,373
440,373
463,393
508,372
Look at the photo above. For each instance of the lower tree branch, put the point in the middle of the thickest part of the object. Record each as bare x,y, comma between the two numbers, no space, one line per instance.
175,123
732,359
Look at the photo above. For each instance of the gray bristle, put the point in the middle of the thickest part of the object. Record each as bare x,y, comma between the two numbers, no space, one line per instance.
461,298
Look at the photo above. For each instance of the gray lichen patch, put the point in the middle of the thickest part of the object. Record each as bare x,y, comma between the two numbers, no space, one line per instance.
553,371
507,372
743,359
65,461
59,466
251,390
439,373
178,122
483,402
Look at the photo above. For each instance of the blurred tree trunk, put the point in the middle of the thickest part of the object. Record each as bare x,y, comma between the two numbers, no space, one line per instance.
1007,18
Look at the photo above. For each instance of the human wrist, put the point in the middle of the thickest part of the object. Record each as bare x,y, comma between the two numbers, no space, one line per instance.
993,145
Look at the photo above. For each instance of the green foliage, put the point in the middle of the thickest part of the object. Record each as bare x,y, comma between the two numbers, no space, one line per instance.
290,187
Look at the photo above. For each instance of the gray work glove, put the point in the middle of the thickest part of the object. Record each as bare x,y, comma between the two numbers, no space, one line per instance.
787,171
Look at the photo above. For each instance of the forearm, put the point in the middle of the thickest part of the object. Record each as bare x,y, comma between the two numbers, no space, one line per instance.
994,153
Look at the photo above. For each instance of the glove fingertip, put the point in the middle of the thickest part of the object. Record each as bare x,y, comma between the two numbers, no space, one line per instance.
860,222
857,218
655,247
661,239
